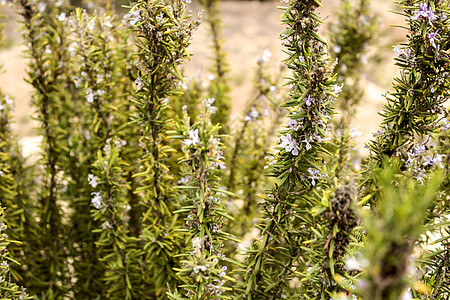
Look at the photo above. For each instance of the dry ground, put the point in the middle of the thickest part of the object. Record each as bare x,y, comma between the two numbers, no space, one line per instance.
249,28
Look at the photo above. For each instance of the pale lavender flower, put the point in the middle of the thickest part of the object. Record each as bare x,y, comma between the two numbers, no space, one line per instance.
136,16
92,179
289,144
302,58
138,82
96,200
424,13
293,124
355,132
76,80
89,96
221,274
337,89
308,100
315,174
432,38
307,140
252,116
398,51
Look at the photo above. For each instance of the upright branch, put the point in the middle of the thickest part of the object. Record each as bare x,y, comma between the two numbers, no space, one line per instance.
219,87
46,69
115,248
253,136
350,36
202,272
272,263
416,106
164,32
392,229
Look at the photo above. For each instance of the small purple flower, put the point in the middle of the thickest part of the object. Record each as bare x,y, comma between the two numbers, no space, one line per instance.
424,12
308,100
398,51
293,124
136,16
315,174
432,38
302,58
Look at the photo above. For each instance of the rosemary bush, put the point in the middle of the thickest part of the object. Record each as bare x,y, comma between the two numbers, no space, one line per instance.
147,189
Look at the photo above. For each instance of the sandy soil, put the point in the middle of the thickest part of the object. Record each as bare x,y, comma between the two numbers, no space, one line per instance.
249,28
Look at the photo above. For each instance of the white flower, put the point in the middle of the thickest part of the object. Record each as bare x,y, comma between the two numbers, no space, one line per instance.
9,101
41,7
91,25
289,144
406,295
197,245
61,17
208,104
337,89
267,54
96,200
92,179
337,49
193,139
5,264
352,264
138,82
76,80
108,22
89,96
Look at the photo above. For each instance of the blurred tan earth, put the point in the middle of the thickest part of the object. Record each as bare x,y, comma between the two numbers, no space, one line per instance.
249,27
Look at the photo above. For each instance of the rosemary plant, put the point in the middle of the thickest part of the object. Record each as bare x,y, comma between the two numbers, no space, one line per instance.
417,104
202,272
46,69
354,30
392,230
275,260
163,35
218,87
252,138
117,251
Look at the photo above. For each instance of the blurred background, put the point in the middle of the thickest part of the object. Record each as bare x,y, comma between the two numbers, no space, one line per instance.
249,27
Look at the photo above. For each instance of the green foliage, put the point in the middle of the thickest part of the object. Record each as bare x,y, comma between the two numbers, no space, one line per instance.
392,229
350,35
201,273
126,203
219,87
250,146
